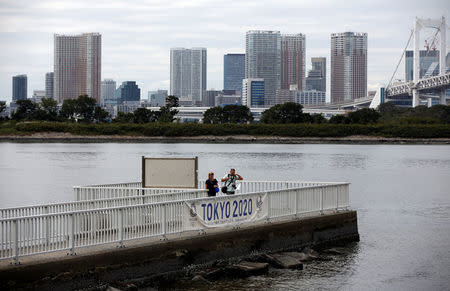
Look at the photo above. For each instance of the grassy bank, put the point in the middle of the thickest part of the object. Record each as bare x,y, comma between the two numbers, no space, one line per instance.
190,130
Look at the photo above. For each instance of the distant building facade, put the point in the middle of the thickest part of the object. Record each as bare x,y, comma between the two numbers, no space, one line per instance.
293,53
209,97
348,66
311,97
233,71
316,79
157,98
224,99
108,89
128,91
429,63
38,95
285,95
77,66
253,92
19,87
188,73
49,77
263,60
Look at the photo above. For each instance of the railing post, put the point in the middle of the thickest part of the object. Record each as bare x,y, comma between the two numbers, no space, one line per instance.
321,202
337,198
16,241
47,228
164,221
72,234
121,228
296,202
269,205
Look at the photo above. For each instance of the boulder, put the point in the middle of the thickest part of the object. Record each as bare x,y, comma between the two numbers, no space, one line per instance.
299,256
198,278
246,269
284,261
334,251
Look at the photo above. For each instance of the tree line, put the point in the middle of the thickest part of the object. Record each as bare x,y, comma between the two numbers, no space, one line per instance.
84,109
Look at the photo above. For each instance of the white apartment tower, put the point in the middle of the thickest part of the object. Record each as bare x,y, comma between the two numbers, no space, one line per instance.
188,73
77,66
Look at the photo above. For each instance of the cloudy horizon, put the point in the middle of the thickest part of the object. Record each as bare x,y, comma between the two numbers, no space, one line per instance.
137,37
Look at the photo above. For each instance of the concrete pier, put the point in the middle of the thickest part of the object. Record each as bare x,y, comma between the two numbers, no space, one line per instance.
102,264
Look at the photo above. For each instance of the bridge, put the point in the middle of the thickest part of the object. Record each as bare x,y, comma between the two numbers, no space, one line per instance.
422,87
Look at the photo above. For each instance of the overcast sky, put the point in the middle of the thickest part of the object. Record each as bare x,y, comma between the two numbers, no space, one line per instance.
137,35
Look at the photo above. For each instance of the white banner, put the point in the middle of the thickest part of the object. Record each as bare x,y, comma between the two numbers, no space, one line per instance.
225,211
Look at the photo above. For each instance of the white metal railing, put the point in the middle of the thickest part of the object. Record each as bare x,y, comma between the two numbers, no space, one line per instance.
94,192
27,235
99,203
121,185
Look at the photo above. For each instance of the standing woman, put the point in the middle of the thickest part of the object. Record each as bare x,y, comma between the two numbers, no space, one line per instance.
211,185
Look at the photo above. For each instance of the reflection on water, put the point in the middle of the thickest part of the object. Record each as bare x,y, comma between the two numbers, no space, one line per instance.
401,193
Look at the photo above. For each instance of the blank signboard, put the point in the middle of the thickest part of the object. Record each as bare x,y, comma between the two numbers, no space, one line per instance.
169,172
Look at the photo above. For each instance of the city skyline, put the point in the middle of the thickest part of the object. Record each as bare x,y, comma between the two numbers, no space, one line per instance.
135,48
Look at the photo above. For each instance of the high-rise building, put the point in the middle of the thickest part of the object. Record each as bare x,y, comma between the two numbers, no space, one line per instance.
49,77
348,66
293,60
209,97
233,71
157,98
253,92
77,66
19,88
316,79
263,60
429,62
188,73
107,92
128,91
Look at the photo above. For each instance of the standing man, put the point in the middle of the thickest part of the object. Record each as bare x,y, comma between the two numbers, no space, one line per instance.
211,185
230,181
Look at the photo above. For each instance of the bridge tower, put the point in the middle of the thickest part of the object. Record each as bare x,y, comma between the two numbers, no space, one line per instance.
439,24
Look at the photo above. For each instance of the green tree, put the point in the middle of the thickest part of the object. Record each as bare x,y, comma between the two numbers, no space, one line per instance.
101,115
213,115
167,112
26,110
237,114
48,110
144,115
69,109
124,117
288,112
86,107
2,106
338,119
364,116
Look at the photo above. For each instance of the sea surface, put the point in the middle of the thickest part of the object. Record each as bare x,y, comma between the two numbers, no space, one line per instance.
401,193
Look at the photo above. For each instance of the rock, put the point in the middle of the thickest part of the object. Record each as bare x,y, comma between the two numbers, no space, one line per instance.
247,269
334,251
111,288
213,273
299,256
310,252
198,278
284,261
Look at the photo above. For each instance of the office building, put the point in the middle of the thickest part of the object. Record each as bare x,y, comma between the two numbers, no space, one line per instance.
310,97
188,73
209,97
316,79
108,88
429,64
38,95
19,87
233,71
293,60
253,92
77,66
228,99
157,98
128,92
263,60
284,95
49,77
348,66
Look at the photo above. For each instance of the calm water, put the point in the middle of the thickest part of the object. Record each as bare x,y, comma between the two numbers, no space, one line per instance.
401,192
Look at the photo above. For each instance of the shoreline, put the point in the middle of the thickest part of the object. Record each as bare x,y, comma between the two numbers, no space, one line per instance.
246,139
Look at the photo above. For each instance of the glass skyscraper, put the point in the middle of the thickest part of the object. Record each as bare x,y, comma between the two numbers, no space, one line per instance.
253,92
19,87
429,61
263,60
233,71
128,91
49,77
